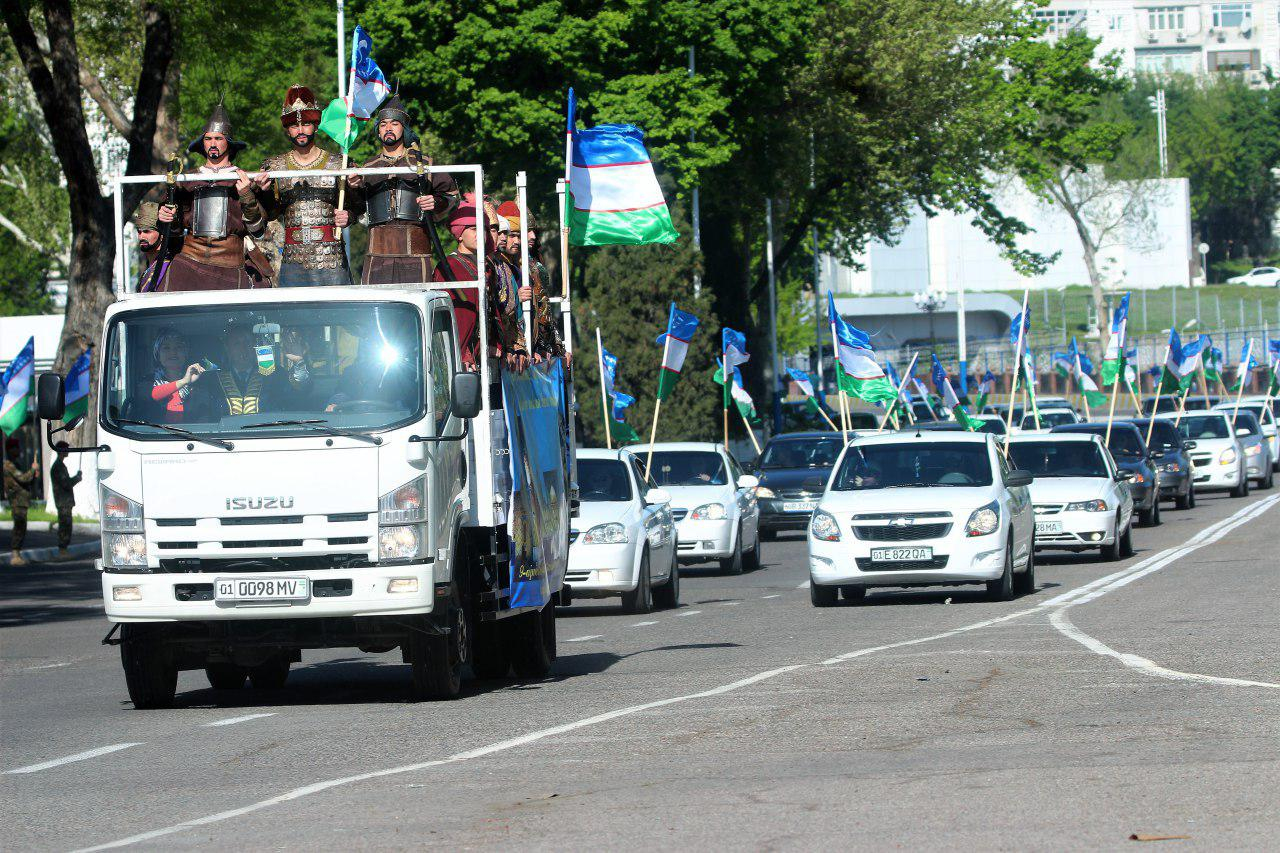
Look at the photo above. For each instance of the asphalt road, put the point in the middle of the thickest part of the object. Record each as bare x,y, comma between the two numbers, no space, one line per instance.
1140,697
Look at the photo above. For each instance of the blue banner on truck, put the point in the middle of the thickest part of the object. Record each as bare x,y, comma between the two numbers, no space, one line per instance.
538,521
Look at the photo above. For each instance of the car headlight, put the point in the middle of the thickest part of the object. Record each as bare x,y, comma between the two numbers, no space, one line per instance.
607,534
400,542
1138,477
709,512
983,520
405,504
124,549
1087,506
765,492
1228,456
823,525
119,514
1253,451
1171,468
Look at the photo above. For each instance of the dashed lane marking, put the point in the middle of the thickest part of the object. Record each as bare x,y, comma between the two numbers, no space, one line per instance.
231,721
70,759
775,595
691,613
642,624
584,638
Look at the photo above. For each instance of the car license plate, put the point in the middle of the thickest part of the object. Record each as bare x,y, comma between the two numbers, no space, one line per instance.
1048,527
799,506
898,555
261,589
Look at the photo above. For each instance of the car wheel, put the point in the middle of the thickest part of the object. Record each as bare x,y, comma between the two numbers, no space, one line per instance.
1191,496
753,559
1155,513
225,676
1126,542
1185,501
1025,583
640,599
1001,589
271,675
1267,481
150,672
667,596
822,595
732,565
853,594
1241,489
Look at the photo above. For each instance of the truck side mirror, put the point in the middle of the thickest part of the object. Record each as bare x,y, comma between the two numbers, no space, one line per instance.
465,395
50,397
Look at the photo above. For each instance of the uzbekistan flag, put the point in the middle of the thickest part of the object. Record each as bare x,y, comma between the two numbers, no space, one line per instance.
614,198
1246,364
805,384
1018,330
985,389
675,346
619,431
1213,364
904,395
1113,360
1171,374
16,382
741,399
949,398
368,90
863,377
1088,388
1191,357
77,388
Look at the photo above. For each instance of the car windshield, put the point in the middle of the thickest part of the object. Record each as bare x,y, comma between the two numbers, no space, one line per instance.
1125,442
1160,404
1164,437
1256,410
914,464
800,453
688,468
1205,427
603,480
229,370
1049,419
1247,422
1059,458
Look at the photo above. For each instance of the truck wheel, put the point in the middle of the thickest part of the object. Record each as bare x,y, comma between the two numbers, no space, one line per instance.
150,672
640,599
225,676
532,640
271,675
488,655
437,660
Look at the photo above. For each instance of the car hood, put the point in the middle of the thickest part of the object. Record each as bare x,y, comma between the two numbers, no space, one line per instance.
1211,445
1067,489
808,479
591,513
958,500
692,497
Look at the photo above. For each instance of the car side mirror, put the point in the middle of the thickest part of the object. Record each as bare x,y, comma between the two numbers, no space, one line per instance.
1188,445
657,496
1124,476
51,401
464,398
1018,477
748,481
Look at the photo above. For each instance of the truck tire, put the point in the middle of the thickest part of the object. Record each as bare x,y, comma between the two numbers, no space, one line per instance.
150,672
532,640
225,676
270,675
488,654
437,659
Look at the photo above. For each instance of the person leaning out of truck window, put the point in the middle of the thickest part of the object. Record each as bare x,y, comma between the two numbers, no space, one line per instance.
174,377
17,489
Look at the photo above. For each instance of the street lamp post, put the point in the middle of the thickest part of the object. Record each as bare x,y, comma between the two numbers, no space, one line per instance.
1160,108
931,302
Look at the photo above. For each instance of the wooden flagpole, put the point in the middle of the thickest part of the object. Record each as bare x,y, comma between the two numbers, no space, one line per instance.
350,97
898,396
657,404
825,416
725,392
835,359
604,398
1088,415
750,431
1245,370
1017,363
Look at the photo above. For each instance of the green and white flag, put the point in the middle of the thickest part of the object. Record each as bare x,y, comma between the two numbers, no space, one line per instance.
77,388
1113,360
16,382
675,346
858,371
949,398
741,399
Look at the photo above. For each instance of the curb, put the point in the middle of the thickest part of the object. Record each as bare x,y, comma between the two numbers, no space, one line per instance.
46,555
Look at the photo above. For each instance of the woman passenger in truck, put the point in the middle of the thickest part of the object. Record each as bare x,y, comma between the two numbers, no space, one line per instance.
174,377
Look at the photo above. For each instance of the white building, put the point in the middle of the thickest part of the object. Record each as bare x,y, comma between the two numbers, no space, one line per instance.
1163,36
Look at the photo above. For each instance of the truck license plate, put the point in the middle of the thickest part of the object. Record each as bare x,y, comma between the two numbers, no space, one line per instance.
897,555
799,506
261,589
1048,527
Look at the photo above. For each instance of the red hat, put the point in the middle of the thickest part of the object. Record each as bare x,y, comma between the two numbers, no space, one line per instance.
511,211
463,216
299,107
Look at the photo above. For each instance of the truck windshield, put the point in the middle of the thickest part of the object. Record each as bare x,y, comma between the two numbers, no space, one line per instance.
220,370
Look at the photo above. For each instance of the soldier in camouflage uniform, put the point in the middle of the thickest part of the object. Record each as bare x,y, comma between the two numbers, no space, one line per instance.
17,489
64,497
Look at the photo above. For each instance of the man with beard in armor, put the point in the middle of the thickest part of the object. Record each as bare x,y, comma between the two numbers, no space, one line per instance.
314,253
399,245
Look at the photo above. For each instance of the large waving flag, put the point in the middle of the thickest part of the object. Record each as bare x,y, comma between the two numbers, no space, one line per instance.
1082,361
734,346
949,398
1018,331
368,90
614,197
1243,368
675,346
1113,360
16,382
618,430
77,388
1191,357
805,384
1213,364
864,378
1171,375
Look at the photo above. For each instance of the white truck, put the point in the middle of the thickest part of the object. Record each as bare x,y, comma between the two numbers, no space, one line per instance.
332,478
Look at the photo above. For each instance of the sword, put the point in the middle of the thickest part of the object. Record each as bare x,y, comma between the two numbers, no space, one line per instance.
160,265
445,269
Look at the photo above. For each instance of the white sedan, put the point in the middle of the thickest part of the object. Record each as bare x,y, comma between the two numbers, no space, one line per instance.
714,502
921,509
1082,500
623,541
1258,277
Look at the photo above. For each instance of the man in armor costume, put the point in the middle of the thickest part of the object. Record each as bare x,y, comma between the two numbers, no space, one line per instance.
547,343
147,223
218,214
399,245
314,253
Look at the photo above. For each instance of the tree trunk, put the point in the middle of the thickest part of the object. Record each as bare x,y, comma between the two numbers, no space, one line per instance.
1089,249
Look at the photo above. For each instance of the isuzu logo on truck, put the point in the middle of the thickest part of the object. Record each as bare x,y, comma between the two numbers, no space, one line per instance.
259,503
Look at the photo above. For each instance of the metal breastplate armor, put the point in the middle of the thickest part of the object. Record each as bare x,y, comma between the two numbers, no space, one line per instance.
393,200
304,206
210,210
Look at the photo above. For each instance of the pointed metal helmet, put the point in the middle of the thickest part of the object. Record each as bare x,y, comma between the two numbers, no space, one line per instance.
393,109
219,122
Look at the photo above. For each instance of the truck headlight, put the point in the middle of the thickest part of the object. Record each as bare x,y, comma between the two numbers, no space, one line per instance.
983,520
119,514
607,534
709,512
124,549
1087,506
824,526
404,505
765,492
400,542
1228,456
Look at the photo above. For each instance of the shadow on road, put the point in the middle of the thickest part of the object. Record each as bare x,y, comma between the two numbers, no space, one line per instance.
49,592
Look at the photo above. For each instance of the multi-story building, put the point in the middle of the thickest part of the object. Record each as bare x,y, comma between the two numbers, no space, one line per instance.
1166,36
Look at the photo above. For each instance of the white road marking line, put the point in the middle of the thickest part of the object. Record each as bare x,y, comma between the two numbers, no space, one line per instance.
584,638
730,603
1090,592
691,613
532,737
79,756
231,721
763,597
642,624
804,585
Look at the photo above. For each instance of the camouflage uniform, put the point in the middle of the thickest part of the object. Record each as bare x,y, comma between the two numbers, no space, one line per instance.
17,491
64,499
